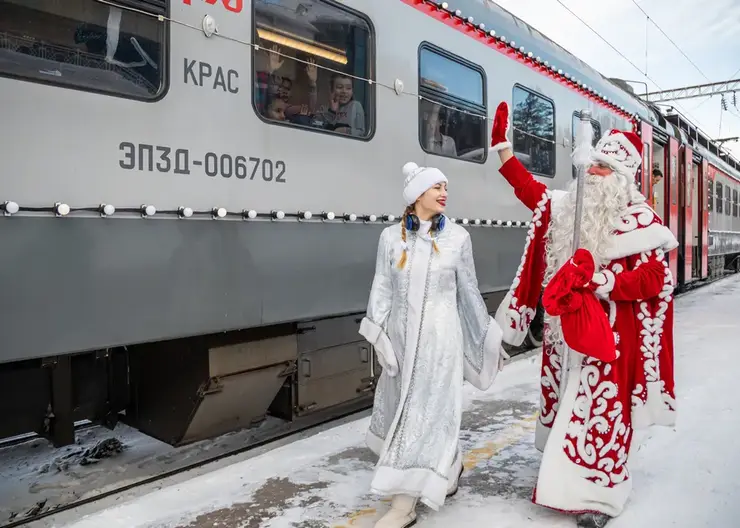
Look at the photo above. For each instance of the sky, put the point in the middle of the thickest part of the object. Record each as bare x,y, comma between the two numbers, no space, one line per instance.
707,31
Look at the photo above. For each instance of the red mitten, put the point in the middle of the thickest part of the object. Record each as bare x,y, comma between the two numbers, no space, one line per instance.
500,128
585,325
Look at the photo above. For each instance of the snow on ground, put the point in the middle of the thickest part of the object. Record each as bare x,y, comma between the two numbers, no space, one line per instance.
685,477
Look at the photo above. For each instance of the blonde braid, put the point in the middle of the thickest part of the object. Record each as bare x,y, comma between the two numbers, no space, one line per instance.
402,260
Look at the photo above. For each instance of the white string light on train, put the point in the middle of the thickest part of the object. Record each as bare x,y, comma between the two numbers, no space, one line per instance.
210,28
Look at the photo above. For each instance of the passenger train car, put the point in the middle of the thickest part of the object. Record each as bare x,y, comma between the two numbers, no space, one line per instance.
193,192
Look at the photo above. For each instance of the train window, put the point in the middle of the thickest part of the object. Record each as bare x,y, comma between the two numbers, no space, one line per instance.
710,195
728,201
310,68
734,203
595,127
720,196
86,44
533,123
452,107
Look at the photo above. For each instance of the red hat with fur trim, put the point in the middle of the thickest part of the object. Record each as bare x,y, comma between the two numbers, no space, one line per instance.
620,150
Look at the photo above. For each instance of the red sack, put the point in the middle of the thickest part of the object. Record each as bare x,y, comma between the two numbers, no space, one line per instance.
585,325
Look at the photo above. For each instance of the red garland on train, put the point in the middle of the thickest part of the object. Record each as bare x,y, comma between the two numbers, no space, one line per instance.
597,390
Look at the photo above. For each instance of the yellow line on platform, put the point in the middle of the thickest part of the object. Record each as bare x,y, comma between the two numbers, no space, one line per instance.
472,459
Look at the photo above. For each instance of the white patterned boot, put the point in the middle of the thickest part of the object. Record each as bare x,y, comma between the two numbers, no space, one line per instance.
401,515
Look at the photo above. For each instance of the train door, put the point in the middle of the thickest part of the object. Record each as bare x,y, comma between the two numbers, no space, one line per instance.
671,197
658,192
705,198
696,213
685,238
647,161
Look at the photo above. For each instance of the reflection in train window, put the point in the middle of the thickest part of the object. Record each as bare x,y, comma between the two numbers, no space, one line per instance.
452,108
595,127
302,47
85,44
720,196
533,124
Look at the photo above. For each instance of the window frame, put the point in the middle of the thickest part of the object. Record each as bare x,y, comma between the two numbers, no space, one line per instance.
451,100
719,197
728,200
165,63
371,61
554,128
734,203
594,125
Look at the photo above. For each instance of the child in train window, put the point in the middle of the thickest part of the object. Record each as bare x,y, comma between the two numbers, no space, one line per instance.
431,134
343,114
657,187
275,108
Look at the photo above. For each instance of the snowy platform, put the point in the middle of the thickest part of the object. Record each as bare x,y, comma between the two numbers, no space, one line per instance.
685,477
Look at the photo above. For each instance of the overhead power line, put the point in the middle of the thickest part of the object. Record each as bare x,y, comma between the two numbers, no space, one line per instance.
624,57
670,39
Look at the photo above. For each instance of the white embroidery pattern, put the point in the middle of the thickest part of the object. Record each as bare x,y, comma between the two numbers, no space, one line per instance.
590,441
652,334
522,316
550,381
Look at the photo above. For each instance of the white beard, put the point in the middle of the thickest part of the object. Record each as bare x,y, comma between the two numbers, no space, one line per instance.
604,200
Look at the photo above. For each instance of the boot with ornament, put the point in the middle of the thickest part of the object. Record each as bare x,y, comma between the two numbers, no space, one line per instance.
592,520
401,515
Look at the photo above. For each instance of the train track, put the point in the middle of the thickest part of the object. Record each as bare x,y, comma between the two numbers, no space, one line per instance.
313,422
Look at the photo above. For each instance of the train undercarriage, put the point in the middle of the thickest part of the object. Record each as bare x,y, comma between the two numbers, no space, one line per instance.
185,390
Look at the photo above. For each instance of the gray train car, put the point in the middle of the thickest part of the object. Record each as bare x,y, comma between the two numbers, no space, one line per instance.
193,192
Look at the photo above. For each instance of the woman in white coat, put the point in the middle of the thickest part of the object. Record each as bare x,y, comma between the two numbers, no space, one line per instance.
431,330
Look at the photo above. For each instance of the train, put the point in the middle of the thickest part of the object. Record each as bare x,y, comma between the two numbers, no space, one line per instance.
193,192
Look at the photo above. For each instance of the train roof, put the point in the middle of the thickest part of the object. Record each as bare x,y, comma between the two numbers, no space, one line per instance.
513,28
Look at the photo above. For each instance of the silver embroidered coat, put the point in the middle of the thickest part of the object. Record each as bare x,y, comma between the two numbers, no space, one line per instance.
431,330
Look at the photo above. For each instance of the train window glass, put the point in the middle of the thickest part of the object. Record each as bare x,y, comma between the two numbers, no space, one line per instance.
309,69
728,211
595,127
734,203
533,124
85,44
710,195
452,109
720,196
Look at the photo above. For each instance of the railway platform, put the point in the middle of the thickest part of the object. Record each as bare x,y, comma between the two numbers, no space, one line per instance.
684,477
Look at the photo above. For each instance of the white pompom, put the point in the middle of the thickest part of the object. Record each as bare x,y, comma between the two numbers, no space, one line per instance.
408,168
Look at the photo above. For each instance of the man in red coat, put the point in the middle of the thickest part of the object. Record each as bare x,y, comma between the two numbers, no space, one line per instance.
590,405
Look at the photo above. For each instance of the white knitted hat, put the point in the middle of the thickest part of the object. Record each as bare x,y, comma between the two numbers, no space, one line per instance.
419,180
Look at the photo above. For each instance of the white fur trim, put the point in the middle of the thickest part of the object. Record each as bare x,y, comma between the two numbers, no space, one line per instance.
500,146
392,481
506,317
656,411
419,180
655,236
375,443
605,280
618,152
491,359
382,344
563,485
541,434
